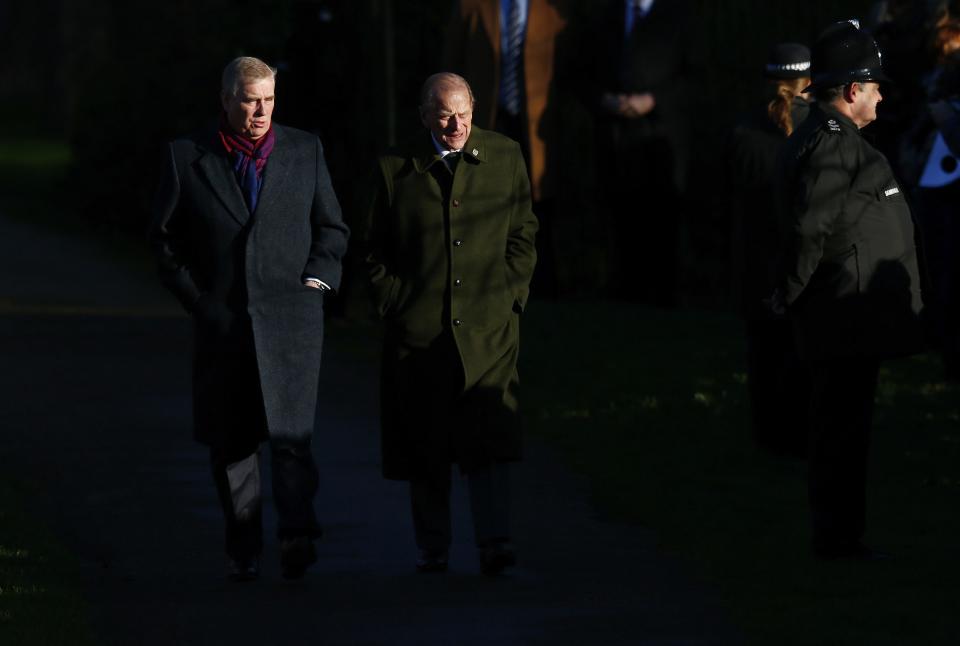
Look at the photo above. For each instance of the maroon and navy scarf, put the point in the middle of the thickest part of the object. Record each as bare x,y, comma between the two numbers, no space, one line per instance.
245,150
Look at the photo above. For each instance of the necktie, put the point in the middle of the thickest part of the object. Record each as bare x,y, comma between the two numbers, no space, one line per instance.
510,60
637,10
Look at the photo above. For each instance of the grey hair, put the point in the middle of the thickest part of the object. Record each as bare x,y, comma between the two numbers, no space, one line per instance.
242,70
441,81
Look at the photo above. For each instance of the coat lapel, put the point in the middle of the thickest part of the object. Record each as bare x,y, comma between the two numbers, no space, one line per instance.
216,167
277,170
473,154
426,155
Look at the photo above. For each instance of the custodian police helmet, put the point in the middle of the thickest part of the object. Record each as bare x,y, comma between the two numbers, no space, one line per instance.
788,61
845,54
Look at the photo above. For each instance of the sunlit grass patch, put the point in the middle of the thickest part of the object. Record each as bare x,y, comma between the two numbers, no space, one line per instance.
40,600
653,407
31,155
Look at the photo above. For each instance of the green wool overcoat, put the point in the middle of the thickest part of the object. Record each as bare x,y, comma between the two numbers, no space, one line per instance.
449,257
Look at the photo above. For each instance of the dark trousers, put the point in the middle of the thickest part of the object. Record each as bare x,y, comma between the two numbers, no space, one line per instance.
841,417
779,386
489,503
236,473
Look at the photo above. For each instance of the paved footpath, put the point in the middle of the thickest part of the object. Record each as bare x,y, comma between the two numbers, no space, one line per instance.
95,380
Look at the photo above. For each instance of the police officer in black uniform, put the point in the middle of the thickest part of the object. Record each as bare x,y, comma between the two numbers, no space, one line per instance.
850,279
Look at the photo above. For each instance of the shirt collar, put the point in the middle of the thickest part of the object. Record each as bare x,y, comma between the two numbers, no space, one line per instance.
440,149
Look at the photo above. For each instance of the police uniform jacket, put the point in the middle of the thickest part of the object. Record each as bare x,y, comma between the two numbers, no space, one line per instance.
259,330
851,279
449,257
752,150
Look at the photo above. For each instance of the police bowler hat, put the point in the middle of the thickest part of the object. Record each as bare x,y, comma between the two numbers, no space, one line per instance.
845,54
788,61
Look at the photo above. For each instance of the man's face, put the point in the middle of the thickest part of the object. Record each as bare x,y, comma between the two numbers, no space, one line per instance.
249,112
865,103
449,117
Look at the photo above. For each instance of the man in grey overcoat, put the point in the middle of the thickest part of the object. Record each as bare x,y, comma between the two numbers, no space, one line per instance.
249,236
450,253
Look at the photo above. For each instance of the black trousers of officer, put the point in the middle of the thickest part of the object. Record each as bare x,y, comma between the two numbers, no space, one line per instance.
841,418
778,381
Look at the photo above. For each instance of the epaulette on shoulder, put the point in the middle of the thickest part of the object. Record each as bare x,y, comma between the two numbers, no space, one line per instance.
831,125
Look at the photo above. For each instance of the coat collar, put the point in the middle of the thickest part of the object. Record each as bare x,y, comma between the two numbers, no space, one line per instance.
217,167
425,154
829,113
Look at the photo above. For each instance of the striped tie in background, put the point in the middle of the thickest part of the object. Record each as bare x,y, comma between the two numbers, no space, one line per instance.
510,61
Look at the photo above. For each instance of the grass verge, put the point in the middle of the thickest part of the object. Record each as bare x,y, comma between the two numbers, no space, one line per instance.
652,406
40,591
40,599
36,187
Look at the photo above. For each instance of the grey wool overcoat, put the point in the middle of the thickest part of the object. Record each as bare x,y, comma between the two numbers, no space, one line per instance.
449,257
258,329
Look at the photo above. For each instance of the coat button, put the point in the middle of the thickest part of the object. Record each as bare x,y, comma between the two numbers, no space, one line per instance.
456,202
457,242
457,322
456,283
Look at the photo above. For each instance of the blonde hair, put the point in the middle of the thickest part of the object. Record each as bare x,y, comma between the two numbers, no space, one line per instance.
778,109
243,70
946,38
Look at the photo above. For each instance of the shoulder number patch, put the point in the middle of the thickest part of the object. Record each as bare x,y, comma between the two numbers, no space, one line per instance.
891,191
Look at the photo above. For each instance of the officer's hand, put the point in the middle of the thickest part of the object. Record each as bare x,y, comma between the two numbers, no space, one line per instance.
637,105
776,302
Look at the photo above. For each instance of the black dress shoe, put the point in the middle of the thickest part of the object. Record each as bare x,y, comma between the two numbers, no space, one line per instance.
243,569
496,557
296,555
432,561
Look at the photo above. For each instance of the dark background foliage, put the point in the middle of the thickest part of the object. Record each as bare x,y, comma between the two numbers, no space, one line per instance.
118,78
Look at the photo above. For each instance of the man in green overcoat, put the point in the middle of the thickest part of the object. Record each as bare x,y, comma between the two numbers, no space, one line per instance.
450,253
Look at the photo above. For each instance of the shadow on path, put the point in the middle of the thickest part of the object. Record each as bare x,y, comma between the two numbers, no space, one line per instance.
96,379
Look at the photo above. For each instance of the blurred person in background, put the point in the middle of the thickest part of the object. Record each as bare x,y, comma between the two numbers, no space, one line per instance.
524,60
776,377
647,57
930,165
902,30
